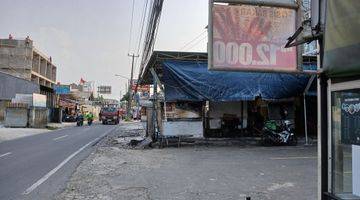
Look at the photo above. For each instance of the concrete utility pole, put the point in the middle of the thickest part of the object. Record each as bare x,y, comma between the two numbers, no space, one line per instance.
130,84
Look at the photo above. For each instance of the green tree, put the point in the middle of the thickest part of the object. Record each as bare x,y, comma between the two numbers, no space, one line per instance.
126,97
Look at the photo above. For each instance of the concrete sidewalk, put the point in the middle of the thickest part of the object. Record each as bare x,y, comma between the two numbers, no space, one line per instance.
61,125
196,172
15,133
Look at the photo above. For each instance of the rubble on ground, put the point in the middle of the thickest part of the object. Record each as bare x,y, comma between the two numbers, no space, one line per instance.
128,136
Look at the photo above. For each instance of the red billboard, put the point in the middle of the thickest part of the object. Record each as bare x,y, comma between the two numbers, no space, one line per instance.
251,38
141,88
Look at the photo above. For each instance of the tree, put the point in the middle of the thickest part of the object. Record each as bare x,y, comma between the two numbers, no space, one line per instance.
91,98
126,97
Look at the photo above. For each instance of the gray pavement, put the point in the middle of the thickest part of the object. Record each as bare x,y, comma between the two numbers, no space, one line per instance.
38,166
194,172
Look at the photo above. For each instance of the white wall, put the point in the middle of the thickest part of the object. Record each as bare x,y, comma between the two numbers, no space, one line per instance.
173,128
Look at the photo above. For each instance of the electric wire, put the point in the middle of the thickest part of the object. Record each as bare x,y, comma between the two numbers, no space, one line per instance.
198,36
142,23
196,43
131,25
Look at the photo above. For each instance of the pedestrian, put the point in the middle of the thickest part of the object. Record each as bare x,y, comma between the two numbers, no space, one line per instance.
259,119
283,112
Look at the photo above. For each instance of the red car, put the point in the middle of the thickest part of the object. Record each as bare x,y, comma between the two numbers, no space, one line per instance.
109,115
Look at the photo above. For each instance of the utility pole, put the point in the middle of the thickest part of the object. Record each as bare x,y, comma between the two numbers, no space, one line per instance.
130,84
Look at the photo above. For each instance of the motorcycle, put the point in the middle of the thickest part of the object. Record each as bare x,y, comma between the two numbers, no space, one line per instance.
90,118
79,120
90,121
275,134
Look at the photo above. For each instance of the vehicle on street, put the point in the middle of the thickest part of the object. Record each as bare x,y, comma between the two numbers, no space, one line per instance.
109,115
80,120
89,118
279,133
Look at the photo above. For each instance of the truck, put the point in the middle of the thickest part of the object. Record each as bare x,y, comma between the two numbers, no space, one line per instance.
109,115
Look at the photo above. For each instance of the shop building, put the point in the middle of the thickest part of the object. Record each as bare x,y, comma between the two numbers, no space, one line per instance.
196,102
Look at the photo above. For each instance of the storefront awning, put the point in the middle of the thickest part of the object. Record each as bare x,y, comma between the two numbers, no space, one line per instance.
192,81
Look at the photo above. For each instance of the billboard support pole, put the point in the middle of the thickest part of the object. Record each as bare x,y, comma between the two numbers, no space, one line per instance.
299,48
210,35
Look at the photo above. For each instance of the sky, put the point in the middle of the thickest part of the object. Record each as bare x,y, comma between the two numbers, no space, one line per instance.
89,39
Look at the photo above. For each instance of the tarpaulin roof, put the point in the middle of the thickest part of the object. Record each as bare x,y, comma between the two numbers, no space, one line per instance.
192,81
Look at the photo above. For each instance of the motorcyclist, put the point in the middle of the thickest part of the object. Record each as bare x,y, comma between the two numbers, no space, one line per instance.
79,119
89,117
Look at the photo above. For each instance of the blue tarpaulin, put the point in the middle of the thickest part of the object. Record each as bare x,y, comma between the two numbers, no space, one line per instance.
192,81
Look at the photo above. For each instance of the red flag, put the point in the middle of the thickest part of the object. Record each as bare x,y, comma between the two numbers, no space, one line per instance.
82,81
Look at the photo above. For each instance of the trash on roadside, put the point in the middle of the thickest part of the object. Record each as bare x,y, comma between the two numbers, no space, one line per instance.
132,142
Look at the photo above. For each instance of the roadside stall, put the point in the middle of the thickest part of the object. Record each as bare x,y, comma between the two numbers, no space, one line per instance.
230,97
201,103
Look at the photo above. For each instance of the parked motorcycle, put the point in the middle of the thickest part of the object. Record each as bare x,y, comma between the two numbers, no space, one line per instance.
79,120
279,134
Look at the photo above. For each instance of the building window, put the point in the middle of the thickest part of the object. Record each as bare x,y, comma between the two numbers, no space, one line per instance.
345,130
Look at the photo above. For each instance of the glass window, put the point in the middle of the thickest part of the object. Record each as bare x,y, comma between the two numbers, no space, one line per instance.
345,126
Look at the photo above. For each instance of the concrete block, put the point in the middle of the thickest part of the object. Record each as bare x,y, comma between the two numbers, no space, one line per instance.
38,117
16,117
175,128
3,104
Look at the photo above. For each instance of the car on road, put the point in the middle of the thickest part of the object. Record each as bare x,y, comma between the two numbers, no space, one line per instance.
109,115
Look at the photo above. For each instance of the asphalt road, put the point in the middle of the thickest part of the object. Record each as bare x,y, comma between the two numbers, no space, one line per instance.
37,167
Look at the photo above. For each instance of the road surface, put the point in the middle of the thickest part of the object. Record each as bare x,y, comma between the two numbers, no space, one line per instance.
37,167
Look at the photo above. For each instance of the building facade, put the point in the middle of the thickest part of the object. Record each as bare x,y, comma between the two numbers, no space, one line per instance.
21,59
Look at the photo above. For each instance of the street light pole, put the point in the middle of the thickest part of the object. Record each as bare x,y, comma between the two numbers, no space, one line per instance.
126,84
131,83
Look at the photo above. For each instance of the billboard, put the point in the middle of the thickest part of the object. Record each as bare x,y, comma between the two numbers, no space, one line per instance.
104,89
141,88
251,38
62,89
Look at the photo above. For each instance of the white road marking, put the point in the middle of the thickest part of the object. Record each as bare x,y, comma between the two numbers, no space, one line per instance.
5,154
292,158
60,137
53,171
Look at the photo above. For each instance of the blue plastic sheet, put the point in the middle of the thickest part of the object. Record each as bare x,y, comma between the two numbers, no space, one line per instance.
192,81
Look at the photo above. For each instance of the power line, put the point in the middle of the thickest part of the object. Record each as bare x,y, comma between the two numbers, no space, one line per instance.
131,24
198,36
196,43
142,25
150,37
142,22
